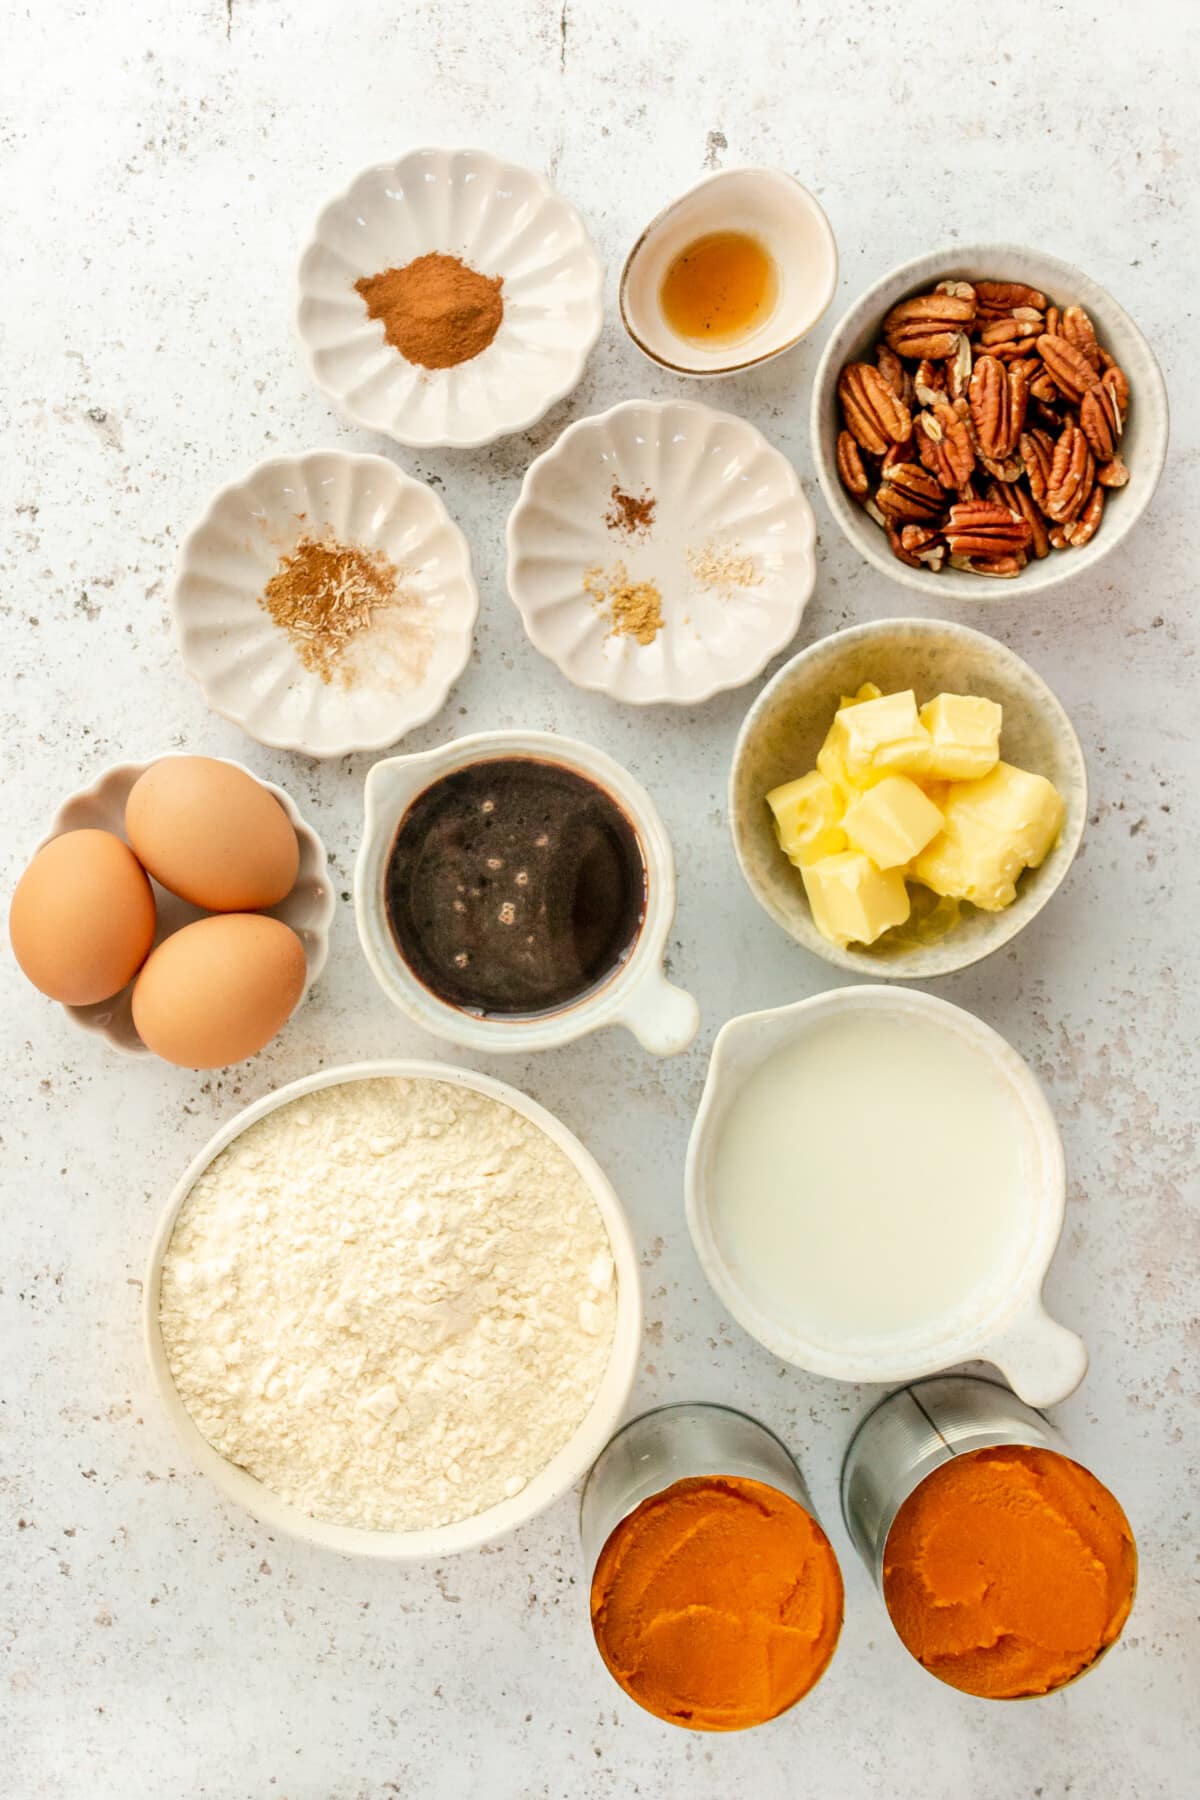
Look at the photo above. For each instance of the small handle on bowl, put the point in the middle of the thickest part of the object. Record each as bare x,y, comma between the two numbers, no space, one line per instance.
663,1018
1040,1359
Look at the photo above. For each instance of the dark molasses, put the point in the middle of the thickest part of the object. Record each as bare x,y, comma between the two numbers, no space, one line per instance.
514,887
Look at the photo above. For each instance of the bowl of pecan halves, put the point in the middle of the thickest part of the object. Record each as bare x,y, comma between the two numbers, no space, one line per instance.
987,412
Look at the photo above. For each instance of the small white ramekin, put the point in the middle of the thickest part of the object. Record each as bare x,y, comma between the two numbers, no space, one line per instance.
662,1017
770,205
566,1468
1009,1326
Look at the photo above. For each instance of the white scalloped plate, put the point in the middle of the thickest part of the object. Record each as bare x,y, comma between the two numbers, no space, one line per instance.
715,481
501,219
246,664
308,909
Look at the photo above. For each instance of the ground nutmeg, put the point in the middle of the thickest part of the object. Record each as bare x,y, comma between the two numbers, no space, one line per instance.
435,311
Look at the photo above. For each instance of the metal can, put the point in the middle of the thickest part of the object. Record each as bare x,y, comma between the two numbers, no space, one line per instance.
912,1433
670,1444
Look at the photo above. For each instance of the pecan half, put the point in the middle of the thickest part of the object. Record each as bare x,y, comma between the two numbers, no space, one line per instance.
1037,454
896,546
1100,420
984,528
894,373
1006,337
1079,331
1041,382
874,416
958,369
998,299
850,466
1003,566
1072,476
1073,373
1054,321
1113,474
1115,373
998,399
1015,497
929,382
1115,379
1082,530
910,493
931,324
925,543
944,444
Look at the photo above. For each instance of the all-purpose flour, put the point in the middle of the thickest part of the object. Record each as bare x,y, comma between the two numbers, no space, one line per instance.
391,1301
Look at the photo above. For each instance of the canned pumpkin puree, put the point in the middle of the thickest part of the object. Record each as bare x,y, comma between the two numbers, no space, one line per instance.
716,1598
1007,1568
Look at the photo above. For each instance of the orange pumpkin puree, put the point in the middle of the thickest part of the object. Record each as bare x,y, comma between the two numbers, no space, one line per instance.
1008,1571
717,1603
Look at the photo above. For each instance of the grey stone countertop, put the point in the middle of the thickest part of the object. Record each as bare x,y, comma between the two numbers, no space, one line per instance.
162,165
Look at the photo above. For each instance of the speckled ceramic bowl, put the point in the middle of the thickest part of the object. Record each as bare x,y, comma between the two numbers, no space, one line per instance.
308,909
786,727
1143,444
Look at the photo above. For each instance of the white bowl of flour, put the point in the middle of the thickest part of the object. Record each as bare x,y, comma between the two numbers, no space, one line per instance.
393,1309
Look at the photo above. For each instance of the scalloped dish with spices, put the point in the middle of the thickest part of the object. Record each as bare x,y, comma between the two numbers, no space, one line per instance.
985,430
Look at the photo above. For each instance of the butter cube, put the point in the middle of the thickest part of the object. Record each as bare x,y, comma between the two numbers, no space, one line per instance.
993,829
807,814
852,901
868,691
883,736
966,736
892,822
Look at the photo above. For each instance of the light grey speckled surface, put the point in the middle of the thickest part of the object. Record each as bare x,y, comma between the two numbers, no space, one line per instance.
162,165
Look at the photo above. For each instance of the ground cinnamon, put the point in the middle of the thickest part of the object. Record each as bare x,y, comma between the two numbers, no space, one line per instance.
717,1603
435,310
630,513
1008,1571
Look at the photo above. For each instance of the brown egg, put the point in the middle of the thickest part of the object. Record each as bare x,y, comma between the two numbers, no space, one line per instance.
218,990
82,917
212,834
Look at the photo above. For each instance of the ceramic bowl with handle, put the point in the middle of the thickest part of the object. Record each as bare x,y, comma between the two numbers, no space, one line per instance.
787,724
308,908
544,1488
1004,1321
501,220
1143,442
636,994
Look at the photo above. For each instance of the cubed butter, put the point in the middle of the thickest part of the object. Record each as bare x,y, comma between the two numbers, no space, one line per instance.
868,691
993,829
892,822
881,737
852,901
965,730
807,814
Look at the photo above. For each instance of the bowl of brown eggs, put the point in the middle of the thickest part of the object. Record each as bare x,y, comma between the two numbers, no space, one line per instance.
180,907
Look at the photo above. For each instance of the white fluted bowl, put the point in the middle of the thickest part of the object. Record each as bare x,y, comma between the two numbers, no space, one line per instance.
246,664
501,219
715,481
